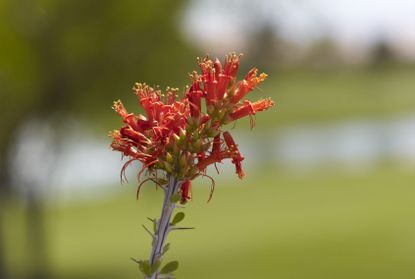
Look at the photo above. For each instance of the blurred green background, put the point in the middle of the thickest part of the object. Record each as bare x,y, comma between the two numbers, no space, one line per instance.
330,170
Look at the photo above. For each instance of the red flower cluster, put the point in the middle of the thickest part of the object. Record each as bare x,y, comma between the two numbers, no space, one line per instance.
181,137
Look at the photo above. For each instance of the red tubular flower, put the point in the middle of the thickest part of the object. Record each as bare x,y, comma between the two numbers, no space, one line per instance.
186,191
127,118
209,80
247,84
180,137
234,153
232,62
122,145
249,108
194,95
133,135
226,75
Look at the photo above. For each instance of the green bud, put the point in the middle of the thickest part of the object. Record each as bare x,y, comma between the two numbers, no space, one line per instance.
176,137
221,114
168,167
176,150
210,109
180,139
198,144
169,158
183,160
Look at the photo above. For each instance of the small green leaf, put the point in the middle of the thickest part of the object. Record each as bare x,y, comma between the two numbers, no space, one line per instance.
145,268
170,267
155,225
135,260
147,230
175,198
166,248
177,218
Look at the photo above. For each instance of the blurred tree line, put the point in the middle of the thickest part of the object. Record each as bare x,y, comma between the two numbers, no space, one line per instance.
68,58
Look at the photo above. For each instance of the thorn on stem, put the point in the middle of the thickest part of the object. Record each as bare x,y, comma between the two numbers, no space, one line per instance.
147,230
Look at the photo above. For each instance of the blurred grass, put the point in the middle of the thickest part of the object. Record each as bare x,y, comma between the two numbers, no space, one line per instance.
327,96
329,224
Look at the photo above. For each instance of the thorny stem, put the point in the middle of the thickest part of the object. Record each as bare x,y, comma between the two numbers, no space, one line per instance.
163,224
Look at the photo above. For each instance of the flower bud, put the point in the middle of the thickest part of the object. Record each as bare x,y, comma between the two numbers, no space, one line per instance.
168,167
169,158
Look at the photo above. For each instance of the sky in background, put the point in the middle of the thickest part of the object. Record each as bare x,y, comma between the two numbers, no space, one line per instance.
349,22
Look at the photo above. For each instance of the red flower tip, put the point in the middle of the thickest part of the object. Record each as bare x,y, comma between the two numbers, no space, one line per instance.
120,109
262,104
234,154
232,62
250,81
249,108
239,171
122,145
194,94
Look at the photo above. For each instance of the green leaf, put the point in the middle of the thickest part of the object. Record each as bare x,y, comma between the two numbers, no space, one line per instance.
175,198
147,230
170,267
145,268
155,225
135,260
166,248
177,218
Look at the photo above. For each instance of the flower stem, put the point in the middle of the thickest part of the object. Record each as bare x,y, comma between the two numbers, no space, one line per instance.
163,224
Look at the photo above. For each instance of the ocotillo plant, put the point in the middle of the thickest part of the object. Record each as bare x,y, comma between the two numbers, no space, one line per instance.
179,137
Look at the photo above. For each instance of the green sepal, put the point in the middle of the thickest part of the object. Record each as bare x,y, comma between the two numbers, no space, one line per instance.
177,218
170,267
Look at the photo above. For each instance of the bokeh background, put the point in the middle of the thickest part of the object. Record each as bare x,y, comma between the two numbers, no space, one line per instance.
330,186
